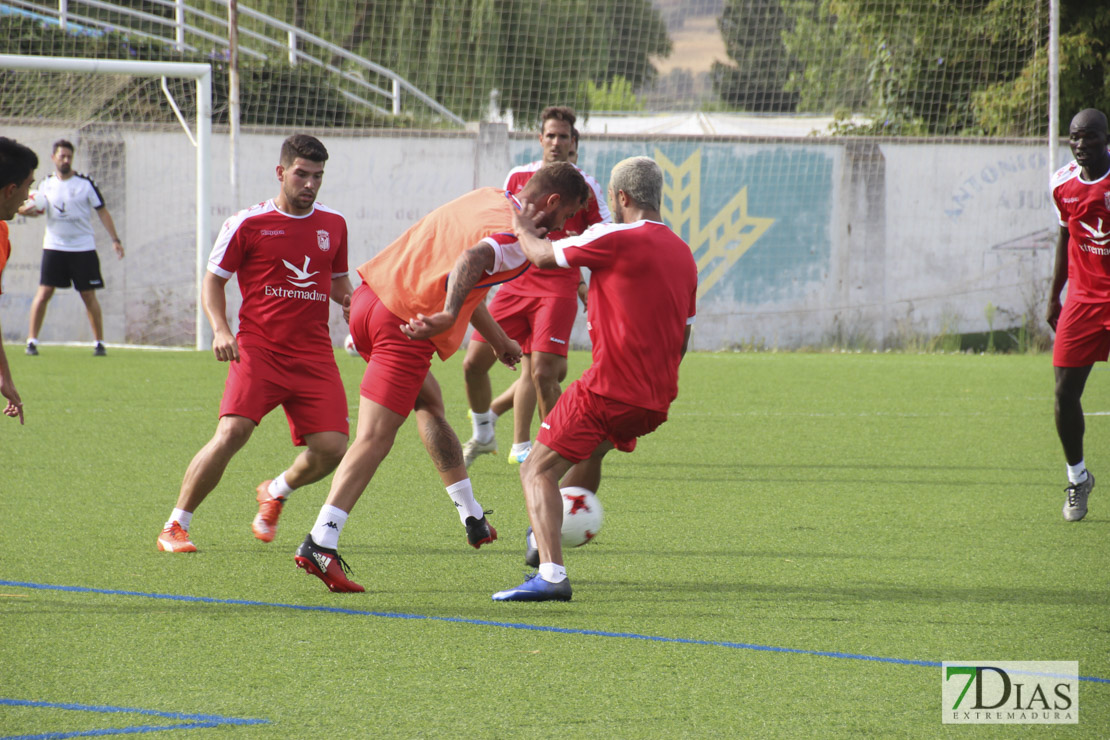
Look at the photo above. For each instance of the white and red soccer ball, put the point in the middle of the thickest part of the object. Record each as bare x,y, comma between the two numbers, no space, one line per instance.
582,515
37,201
349,345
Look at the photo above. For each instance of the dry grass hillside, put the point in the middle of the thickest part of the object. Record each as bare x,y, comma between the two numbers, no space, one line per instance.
683,82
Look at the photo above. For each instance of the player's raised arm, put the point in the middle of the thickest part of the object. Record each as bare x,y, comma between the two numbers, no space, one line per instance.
469,269
527,229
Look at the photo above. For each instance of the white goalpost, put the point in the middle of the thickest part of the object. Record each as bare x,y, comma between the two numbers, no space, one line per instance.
200,136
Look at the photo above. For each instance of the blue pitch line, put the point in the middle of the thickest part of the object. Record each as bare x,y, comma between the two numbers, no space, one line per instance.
192,721
505,625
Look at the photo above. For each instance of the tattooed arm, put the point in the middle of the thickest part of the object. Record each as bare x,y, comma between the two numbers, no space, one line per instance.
469,269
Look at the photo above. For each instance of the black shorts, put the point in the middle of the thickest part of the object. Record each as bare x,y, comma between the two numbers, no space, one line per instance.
60,269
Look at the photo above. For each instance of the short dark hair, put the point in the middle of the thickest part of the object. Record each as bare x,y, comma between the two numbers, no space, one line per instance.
303,146
62,144
559,177
559,113
17,162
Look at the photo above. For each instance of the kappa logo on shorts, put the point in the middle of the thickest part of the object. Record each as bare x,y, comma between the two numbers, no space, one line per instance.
556,340
323,240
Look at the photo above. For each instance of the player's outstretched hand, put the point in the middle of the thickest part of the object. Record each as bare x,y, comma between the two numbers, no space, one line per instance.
224,347
15,403
509,354
527,220
347,308
425,327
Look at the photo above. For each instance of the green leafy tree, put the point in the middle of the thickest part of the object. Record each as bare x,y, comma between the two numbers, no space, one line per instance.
915,65
753,34
1084,74
952,67
615,95
534,54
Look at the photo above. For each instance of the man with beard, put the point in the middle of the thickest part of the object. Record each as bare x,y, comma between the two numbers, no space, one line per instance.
68,247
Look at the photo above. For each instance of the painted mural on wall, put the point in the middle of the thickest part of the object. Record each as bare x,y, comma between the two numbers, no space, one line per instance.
756,216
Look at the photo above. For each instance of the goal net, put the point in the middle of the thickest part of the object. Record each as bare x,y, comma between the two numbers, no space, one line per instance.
847,173
141,131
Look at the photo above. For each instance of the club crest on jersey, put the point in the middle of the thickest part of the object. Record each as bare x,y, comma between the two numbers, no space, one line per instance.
1106,199
323,240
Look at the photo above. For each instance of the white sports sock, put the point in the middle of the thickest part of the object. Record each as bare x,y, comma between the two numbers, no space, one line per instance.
482,424
182,517
1077,473
279,488
519,447
462,493
553,573
328,527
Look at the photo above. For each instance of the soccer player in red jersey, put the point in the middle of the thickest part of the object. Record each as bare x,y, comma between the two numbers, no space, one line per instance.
642,303
1081,194
537,310
17,172
290,257
417,297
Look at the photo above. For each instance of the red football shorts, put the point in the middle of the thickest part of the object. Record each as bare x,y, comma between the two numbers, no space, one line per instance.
1082,335
581,420
537,323
310,391
396,365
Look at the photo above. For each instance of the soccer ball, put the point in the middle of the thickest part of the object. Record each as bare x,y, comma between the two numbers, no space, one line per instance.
582,515
349,345
37,201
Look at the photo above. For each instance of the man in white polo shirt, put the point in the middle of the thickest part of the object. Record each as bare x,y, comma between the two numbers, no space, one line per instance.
69,248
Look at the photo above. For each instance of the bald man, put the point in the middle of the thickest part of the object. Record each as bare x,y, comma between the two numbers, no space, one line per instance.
1081,194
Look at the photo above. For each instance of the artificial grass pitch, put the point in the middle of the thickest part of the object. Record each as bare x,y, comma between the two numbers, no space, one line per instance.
791,555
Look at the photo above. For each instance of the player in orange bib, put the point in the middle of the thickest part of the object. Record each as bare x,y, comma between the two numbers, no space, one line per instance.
416,300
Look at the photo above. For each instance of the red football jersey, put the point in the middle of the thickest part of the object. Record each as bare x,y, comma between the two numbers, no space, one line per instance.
643,294
1084,209
285,266
559,283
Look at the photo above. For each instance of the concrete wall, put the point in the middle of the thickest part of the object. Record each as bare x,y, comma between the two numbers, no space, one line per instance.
799,242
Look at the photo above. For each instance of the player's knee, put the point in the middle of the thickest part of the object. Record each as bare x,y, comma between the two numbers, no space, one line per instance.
1068,392
232,437
472,373
544,374
475,367
332,456
430,410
